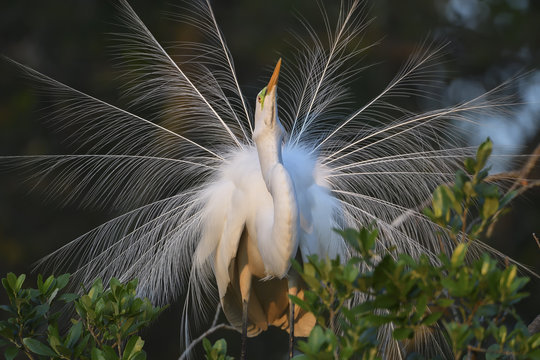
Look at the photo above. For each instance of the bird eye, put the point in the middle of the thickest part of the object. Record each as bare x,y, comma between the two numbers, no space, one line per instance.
258,98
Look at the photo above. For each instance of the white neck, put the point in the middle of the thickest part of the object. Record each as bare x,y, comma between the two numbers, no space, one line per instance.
269,151
281,188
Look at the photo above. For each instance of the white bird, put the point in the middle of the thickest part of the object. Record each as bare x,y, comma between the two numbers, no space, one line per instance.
212,201
273,204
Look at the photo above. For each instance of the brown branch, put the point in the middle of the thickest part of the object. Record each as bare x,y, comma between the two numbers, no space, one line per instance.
119,345
203,335
534,326
519,176
216,316
478,349
527,168
521,183
27,352
94,335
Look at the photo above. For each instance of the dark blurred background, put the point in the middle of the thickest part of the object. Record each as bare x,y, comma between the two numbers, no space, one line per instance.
490,40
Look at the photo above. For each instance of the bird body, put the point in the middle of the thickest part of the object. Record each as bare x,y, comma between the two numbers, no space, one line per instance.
241,202
269,204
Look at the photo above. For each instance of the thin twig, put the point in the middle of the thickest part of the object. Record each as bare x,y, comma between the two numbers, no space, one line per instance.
205,334
481,350
520,183
534,326
525,186
520,175
527,168
216,316
536,238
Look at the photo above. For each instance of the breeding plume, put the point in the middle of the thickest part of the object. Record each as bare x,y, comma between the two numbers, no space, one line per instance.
217,197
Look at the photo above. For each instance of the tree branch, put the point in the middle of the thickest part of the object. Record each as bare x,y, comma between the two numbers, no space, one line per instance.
534,326
203,335
216,316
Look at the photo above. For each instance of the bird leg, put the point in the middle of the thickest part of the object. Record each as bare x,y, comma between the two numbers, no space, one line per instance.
243,351
291,325
245,278
293,290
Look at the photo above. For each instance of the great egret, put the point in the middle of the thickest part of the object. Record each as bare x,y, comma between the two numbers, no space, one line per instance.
203,201
274,203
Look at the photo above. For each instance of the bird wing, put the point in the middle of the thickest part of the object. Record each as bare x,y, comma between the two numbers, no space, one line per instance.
318,211
234,223
318,208
225,219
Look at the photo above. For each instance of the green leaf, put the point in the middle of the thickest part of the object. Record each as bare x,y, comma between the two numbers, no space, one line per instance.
470,165
97,354
432,318
40,282
47,284
95,290
451,199
487,190
468,189
9,309
12,281
207,345
41,310
493,352
109,353
438,203
54,337
38,347
482,154
9,331
141,355
403,333
351,237
114,283
490,207
53,295
11,352
502,334
221,346
81,346
507,198
68,297
19,282
74,334
134,345
316,338
479,333
458,256
297,301
62,281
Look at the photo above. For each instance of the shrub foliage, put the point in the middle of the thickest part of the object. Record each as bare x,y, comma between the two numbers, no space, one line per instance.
104,327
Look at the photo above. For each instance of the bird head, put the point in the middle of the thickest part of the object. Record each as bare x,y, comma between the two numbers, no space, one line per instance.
266,118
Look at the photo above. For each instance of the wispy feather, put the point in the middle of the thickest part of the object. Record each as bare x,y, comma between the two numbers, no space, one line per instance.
171,170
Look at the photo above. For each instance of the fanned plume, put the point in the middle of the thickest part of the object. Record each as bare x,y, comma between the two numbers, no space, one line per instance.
376,163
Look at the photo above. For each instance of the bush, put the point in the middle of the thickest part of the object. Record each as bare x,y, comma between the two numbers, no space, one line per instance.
467,309
471,303
105,326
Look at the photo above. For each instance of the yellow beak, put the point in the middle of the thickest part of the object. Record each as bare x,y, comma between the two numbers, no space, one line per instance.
274,78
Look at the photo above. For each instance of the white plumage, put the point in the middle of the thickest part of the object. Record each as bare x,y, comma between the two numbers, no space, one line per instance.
239,196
